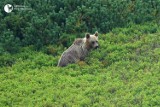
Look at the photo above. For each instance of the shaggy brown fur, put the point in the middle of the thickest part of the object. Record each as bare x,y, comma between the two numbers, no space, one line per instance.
79,49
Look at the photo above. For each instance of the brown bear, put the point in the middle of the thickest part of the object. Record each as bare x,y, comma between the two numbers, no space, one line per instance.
79,49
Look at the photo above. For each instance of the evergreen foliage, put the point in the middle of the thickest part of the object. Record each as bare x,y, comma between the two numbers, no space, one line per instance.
124,71
50,21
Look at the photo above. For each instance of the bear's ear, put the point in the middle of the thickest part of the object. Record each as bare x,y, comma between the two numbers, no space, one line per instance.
96,33
87,35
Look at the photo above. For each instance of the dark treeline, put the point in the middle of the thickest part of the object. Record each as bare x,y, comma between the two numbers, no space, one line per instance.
51,21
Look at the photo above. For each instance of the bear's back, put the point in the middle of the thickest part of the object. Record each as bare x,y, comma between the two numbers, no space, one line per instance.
78,41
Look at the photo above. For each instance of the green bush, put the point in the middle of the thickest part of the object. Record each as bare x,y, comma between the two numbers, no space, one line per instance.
124,71
49,21
9,43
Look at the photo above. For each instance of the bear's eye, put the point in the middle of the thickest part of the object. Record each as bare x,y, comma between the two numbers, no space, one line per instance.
92,42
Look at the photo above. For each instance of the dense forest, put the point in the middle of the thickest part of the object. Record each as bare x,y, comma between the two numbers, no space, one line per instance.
123,72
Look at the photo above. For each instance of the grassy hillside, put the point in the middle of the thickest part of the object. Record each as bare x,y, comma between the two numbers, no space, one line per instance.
124,71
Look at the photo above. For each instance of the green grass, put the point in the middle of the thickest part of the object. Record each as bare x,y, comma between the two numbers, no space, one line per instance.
123,72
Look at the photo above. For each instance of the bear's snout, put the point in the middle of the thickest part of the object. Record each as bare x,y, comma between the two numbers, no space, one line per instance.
96,47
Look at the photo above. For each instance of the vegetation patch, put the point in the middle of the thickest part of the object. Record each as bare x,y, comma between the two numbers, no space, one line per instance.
124,71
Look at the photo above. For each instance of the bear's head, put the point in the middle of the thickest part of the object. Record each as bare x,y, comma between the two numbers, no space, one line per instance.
92,40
